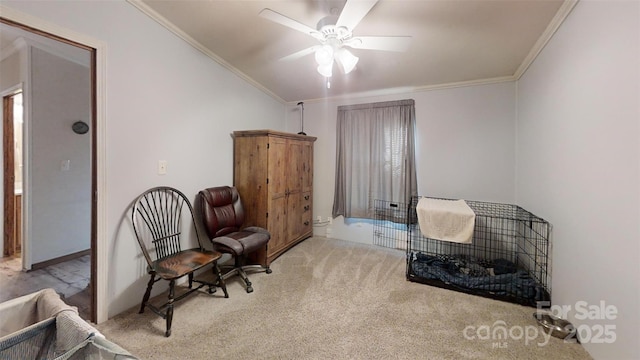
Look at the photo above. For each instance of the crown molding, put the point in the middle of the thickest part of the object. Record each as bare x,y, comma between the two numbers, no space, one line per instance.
144,8
410,89
551,29
15,46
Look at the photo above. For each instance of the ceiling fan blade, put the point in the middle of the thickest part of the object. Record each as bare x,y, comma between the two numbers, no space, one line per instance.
301,53
288,22
386,43
353,12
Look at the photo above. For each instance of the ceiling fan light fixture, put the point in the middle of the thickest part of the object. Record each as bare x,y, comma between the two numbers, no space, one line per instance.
346,59
324,55
334,32
326,70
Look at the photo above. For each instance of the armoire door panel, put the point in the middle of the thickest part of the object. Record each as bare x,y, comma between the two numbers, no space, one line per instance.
278,167
277,225
288,166
294,162
250,174
307,166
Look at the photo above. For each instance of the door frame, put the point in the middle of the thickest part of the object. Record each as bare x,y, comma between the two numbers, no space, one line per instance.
99,245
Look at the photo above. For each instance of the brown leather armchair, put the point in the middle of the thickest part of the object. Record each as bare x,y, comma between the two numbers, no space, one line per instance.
223,216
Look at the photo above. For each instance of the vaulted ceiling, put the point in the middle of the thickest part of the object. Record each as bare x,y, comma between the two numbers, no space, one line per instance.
453,42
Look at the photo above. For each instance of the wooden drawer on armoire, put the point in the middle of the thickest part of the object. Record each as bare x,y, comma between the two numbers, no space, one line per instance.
307,212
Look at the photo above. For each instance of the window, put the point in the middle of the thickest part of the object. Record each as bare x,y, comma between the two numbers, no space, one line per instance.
375,157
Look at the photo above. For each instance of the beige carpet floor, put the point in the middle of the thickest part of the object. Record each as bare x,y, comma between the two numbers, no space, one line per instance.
331,299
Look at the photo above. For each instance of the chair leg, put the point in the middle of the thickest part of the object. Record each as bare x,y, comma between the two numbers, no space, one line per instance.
239,262
223,285
266,251
170,307
239,269
243,276
147,293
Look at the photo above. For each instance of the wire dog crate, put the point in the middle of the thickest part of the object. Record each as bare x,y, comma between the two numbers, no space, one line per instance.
508,258
390,224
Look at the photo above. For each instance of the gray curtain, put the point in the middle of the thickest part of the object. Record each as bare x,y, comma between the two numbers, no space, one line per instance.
375,157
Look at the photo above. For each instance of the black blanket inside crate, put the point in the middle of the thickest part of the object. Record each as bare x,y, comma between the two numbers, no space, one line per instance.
500,277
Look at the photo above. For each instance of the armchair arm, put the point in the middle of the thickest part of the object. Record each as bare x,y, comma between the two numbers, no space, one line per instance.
228,242
257,229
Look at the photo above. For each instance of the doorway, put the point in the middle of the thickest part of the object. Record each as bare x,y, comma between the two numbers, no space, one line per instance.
12,147
39,204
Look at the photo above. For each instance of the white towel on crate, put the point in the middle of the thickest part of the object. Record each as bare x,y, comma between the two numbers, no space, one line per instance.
448,220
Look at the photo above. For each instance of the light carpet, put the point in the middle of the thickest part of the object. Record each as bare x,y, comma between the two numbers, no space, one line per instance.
332,299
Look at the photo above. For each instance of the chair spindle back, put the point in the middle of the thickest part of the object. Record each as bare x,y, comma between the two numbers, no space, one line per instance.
157,221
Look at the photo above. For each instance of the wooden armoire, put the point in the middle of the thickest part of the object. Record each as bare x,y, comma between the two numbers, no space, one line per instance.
273,172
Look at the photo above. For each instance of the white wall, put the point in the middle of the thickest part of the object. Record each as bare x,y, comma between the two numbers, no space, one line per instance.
465,147
11,70
164,101
60,200
578,156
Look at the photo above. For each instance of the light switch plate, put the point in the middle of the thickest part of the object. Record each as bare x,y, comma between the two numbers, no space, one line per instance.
162,167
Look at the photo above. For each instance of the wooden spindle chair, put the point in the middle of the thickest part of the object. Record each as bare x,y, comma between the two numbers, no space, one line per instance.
157,222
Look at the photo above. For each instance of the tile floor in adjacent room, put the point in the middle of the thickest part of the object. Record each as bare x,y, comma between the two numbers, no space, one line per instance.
70,279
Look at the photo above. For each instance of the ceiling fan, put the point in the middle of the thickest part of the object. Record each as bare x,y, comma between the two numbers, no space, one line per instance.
335,33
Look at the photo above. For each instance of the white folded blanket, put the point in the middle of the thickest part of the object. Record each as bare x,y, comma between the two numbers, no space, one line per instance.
449,220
